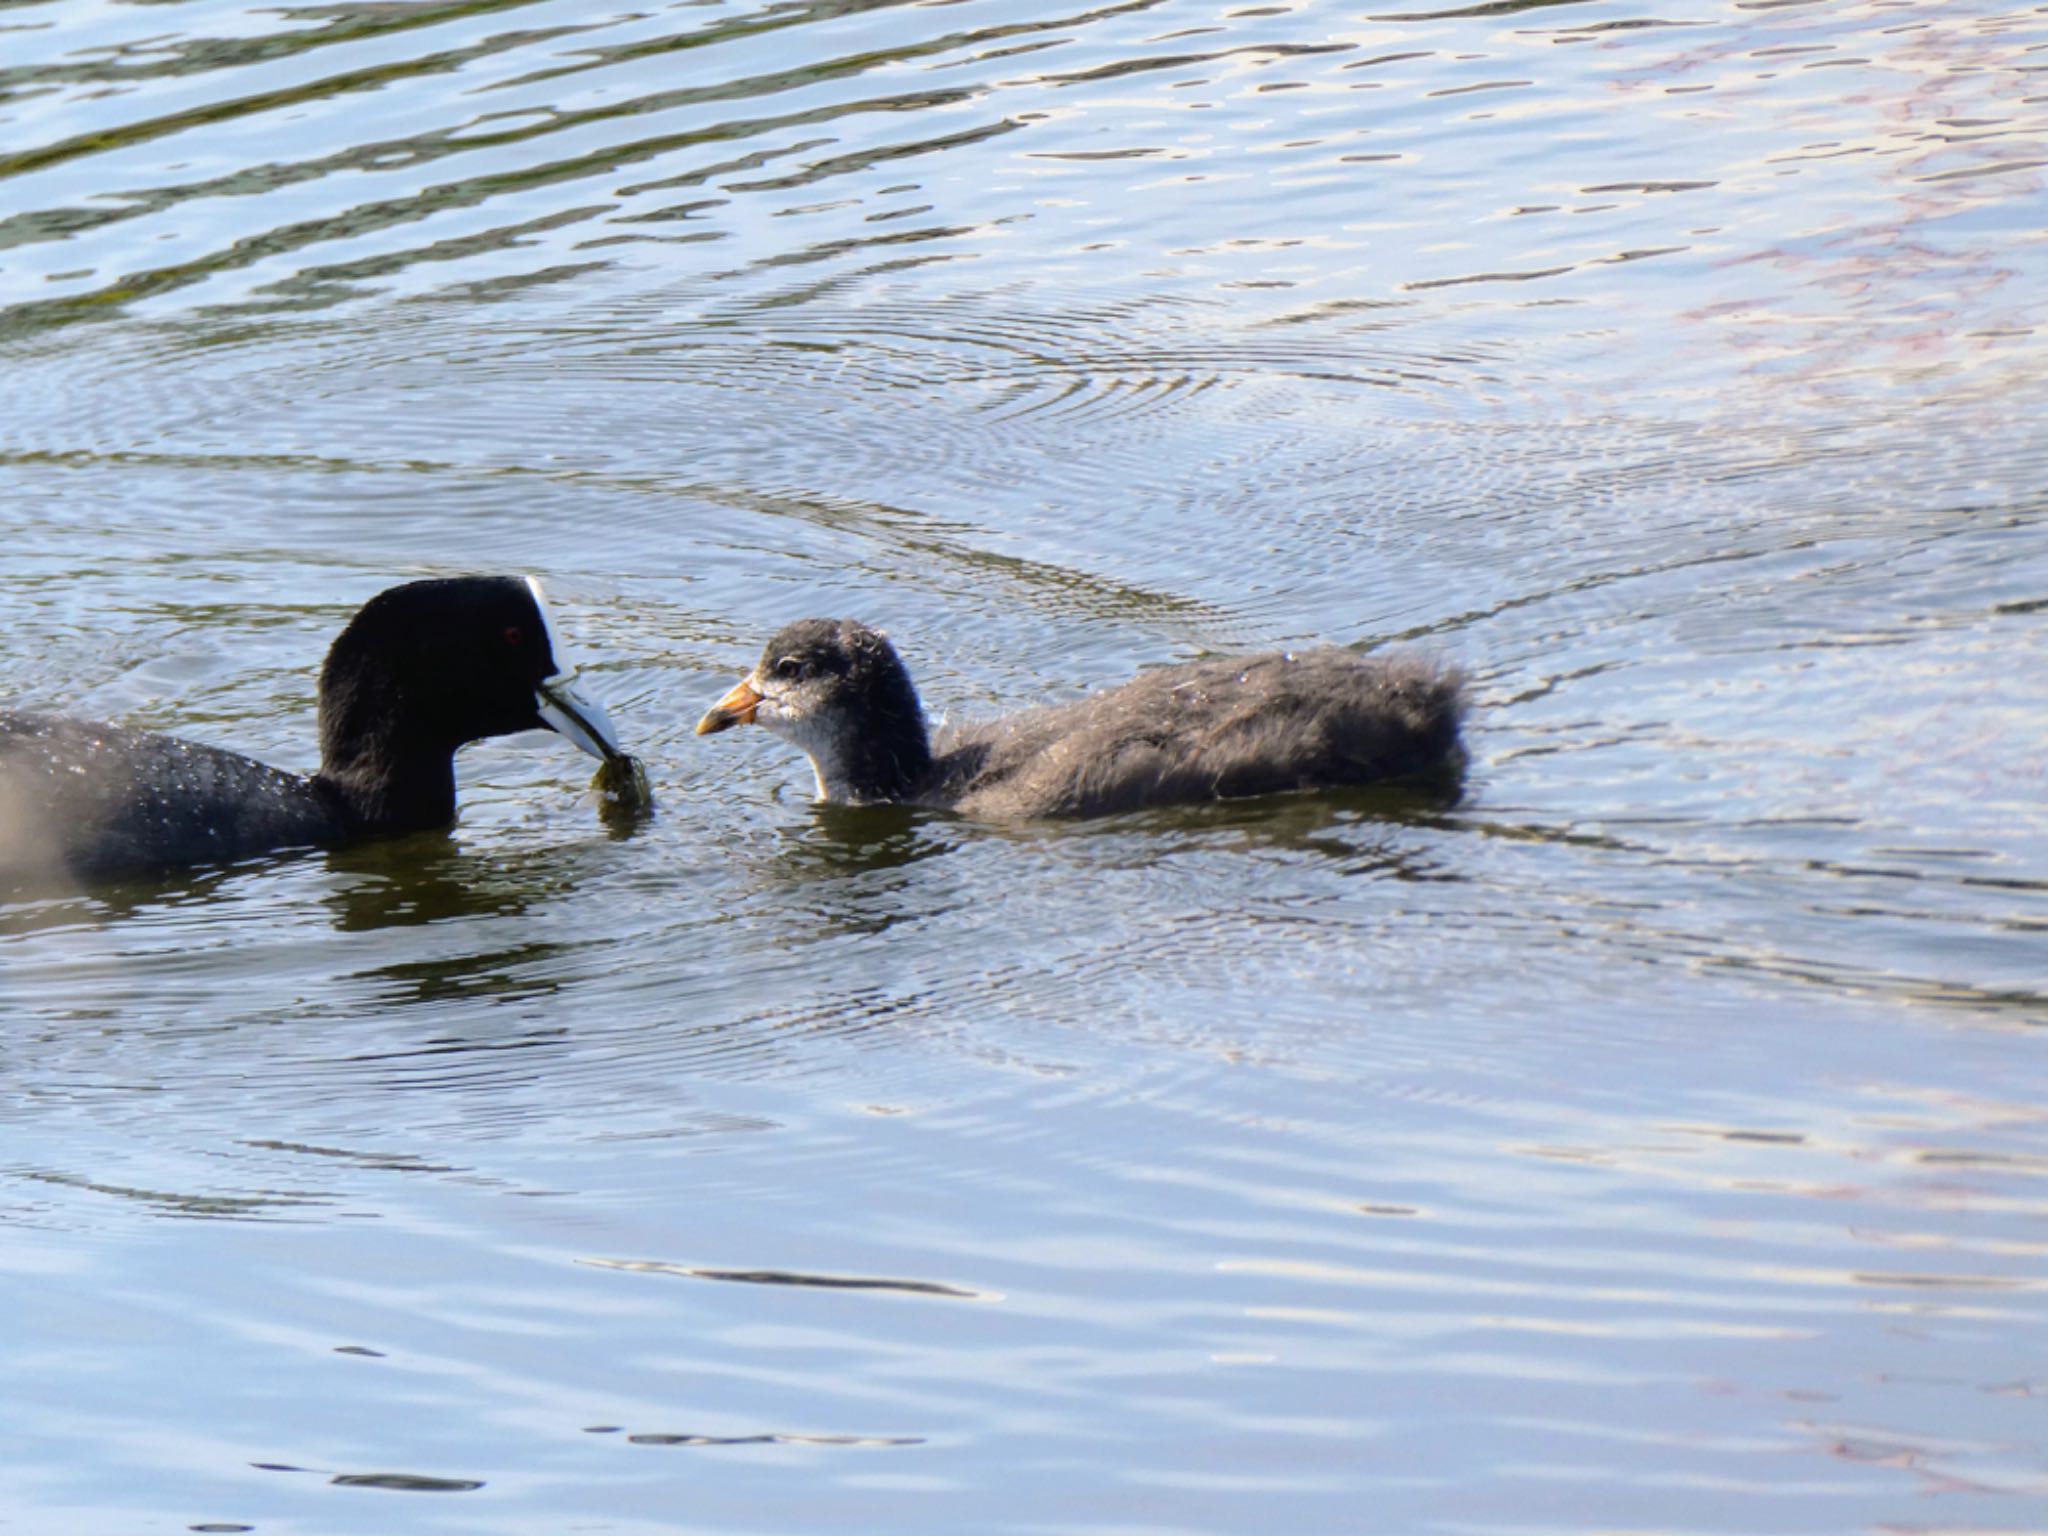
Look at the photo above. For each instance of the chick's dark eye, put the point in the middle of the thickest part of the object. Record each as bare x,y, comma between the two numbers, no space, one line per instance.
789,667
514,635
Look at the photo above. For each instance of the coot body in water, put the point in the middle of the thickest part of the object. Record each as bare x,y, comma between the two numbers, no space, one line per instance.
418,672
1206,730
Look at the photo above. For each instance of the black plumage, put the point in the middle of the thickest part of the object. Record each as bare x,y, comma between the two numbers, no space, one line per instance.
419,671
1203,730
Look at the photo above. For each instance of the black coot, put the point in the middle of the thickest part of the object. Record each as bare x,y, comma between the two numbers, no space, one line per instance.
1206,730
419,671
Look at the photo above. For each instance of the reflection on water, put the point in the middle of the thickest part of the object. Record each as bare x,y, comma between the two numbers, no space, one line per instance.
840,840
1675,370
425,879
784,1277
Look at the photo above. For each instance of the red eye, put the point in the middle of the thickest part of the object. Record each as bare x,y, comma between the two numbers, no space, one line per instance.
514,635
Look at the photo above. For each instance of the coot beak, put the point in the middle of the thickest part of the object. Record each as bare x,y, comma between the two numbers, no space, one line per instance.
561,704
736,708
566,708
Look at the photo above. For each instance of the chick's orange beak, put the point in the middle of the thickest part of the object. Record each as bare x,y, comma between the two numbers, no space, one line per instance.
736,708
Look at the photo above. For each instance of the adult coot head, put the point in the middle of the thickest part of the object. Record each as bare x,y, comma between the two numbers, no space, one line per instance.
419,671
432,665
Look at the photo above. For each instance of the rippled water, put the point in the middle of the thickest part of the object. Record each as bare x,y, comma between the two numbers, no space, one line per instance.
1654,1140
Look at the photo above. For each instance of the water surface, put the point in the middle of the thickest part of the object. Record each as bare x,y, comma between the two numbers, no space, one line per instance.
1652,1140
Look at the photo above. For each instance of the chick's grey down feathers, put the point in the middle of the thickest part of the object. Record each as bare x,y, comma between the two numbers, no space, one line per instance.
1210,730
1199,731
